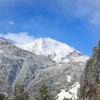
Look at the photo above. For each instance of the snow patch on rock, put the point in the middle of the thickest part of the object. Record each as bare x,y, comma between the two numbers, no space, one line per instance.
72,93
1,51
68,78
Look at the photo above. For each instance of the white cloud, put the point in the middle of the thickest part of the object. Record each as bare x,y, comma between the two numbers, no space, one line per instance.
22,37
11,22
86,10
89,11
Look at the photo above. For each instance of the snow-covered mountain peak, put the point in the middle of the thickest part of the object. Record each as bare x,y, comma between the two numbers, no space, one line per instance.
56,50
50,46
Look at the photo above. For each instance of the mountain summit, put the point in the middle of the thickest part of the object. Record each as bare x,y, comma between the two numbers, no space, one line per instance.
57,51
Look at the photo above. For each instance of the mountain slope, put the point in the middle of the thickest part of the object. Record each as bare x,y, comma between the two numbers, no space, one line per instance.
18,65
57,51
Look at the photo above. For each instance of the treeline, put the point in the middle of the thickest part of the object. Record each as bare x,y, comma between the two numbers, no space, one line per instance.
19,93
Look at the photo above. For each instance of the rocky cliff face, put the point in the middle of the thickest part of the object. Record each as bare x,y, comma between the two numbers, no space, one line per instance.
18,65
90,81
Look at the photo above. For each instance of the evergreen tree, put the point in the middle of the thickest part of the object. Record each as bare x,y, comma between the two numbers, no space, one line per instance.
66,99
20,93
2,96
43,92
90,80
99,43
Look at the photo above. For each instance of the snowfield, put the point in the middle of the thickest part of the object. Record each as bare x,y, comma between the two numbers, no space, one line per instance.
72,93
56,50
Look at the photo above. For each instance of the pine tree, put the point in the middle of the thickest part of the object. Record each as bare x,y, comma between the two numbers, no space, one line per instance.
99,43
20,93
66,99
43,92
2,96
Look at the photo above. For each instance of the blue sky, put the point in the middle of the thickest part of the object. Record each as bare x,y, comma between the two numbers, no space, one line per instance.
75,22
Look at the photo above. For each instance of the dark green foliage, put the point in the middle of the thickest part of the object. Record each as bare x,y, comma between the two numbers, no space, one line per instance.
2,96
43,92
64,99
94,49
90,81
20,93
99,43
90,61
67,99
88,92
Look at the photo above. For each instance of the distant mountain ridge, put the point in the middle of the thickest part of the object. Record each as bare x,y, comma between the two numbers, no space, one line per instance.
56,50
7,40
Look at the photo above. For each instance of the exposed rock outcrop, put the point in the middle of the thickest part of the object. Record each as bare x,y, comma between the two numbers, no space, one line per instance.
90,81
